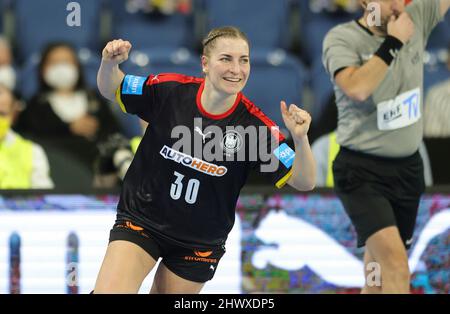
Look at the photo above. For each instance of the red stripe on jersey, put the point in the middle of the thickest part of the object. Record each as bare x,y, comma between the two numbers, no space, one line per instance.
172,77
215,116
254,110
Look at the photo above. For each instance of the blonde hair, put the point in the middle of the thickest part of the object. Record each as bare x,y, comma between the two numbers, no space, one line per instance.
225,32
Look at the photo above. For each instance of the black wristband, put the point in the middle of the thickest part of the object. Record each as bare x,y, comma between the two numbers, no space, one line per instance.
389,49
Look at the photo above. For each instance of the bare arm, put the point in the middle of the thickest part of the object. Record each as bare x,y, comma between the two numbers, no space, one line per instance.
304,168
303,176
109,75
359,83
445,5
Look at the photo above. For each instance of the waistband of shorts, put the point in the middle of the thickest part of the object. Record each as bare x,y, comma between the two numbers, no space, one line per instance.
395,160
161,236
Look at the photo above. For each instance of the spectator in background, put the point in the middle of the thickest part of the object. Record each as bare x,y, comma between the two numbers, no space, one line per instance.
164,7
65,113
437,128
7,72
116,155
349,6
23,164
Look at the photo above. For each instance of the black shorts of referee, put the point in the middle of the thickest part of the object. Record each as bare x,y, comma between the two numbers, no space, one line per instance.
379,192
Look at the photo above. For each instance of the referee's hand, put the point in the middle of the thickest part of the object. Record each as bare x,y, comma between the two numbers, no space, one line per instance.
116,51
296,120
401,28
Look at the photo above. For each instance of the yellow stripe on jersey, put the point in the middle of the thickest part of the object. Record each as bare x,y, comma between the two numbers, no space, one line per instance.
119,100
283,180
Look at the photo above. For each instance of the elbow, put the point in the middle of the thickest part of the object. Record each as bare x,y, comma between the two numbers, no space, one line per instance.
106,91
356,91
109,96
358,95
305,185
309,186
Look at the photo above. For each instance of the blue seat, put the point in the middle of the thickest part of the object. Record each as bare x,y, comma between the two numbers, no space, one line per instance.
28,75
321,87
144,30
440,36
315,25
162,60
155,61
2,12
275,76
43,21
264,22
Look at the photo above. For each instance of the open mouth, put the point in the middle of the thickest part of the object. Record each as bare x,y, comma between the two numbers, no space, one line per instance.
232,80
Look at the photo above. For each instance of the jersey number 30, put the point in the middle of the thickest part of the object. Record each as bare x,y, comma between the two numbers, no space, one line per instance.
176,189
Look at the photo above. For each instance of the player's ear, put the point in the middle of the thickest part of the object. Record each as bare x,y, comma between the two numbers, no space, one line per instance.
204,60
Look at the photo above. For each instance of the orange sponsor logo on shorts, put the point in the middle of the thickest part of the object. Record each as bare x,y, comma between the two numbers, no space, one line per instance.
133,227
201,257
203,254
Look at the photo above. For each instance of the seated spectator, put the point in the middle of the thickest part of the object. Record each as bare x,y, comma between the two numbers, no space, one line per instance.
23,164
7,72
349,6
116,155
437,128
165,7
64,113
325,149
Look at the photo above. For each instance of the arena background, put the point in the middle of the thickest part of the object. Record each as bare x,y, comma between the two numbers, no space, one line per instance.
281,243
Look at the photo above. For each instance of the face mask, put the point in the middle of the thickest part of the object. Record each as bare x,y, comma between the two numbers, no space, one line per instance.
61,76
8,76
5,124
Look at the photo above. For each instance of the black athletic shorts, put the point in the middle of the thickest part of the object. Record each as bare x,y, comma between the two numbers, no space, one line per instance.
194,264
379,192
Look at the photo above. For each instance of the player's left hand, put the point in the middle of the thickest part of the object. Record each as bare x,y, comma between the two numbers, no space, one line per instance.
296,120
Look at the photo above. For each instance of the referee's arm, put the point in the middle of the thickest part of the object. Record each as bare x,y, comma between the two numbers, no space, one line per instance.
359,83
445,5
109,75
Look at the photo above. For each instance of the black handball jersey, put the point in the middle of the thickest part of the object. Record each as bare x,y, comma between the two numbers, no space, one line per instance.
190,166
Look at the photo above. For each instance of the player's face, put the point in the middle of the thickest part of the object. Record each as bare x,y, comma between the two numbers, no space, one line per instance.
387,9
228,65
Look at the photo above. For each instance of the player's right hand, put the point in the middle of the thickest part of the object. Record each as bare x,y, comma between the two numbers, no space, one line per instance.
401,28
116,51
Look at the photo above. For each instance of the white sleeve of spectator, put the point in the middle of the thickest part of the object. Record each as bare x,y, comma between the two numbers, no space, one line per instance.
320,152
40,176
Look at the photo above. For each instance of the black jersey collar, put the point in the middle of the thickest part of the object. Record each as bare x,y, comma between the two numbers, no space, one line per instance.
364,28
